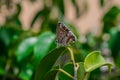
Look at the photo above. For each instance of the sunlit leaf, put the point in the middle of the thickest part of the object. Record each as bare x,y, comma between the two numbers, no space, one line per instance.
43,45
94,60
25,48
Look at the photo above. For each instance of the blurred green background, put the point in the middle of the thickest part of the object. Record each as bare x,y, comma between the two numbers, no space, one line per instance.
28,27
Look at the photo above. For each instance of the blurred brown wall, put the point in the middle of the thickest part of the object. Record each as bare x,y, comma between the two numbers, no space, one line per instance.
88,21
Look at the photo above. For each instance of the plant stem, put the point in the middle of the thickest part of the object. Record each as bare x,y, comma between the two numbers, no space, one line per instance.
66,73
7,68
84,75
73,61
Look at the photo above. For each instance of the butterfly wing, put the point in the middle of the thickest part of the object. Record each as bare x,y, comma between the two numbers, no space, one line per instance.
64,35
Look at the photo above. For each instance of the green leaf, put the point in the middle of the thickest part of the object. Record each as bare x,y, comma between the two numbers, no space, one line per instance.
43,45
26,72
48,25
94,60
114,41
74,2
25,48
102,3
60,4
5,36
47,62
51,75
81,72
2,65
40,14
36,17
113,36
8,35
69,68
113,45
110,18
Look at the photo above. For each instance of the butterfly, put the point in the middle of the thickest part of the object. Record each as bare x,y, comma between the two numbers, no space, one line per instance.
64,35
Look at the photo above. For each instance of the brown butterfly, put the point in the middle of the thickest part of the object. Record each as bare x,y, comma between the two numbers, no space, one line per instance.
64,35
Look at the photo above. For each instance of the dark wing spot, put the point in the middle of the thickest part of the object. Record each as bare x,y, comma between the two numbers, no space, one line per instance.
70,38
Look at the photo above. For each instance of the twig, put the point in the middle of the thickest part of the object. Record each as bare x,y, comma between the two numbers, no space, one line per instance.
73,61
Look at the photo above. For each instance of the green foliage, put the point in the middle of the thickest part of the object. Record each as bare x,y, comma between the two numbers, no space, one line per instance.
93,61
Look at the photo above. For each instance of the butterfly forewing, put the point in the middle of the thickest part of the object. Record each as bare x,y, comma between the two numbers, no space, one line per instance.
64,35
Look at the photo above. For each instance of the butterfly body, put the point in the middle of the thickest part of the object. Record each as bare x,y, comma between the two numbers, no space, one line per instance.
64,35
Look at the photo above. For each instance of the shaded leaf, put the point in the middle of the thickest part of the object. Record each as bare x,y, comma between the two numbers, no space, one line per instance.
113,44
102,3
2,65
60,4
110,18
114,41
7,35
51,75
26,72
76,8
47,62
69,68
40,14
